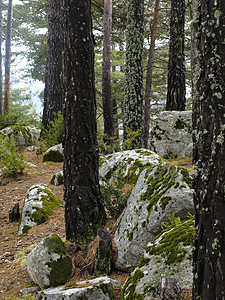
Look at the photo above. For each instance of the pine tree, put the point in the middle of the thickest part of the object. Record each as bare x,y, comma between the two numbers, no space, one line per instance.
176,68
8,56
84,210
133,103
209,151
53,94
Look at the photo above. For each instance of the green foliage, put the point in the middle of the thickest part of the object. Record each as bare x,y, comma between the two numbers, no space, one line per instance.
25,297
11,162
115,198
131,138
21,111
53,135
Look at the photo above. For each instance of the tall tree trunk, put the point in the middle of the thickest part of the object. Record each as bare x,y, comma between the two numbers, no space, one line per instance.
53,94
106,70
8,56
209,151
148,87
84,210
133,102
176,68
1,57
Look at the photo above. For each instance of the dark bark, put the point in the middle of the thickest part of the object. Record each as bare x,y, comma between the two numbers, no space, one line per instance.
209,151
53,94
133,102
176,68
106,70
170,289
104,253
84,210
1,58
148,87
14,213
8,56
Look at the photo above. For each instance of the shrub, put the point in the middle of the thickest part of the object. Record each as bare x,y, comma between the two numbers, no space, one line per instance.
53,135
26,297
11,162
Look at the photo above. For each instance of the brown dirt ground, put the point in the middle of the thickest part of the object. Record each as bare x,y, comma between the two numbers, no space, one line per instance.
14,248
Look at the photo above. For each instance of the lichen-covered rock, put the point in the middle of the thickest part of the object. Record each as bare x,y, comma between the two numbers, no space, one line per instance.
21,135
57,179
54,154
39,204
161,190
169,255
126,164
119,173
96,289
171,135
48,264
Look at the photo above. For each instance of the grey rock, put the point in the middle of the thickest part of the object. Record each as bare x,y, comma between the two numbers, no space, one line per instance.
31,290
54,154
96,289
161,190
57,179
48,264
21,135
171,135
157,264
39,204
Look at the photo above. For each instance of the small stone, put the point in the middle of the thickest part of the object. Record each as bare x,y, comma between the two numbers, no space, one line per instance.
14,214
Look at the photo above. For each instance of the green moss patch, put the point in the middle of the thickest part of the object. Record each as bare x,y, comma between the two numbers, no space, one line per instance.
128,291
52,155
172,241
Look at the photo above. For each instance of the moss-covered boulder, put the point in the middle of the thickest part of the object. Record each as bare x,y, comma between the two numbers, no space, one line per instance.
48,264
168,255
39,204
21,135
171,136
161,190
57,179
54,154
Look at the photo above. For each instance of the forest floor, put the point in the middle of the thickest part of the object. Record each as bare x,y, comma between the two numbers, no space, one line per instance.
14,249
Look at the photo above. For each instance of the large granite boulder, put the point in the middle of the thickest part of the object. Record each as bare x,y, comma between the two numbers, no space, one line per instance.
54,154
161,190
21,135
96,289
171,136
39,204
168,255
48,264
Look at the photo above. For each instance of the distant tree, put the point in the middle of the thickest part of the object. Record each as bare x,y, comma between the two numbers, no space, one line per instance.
8,56
84,210
148,88
53,93
133,102
209,150
106,70
176,68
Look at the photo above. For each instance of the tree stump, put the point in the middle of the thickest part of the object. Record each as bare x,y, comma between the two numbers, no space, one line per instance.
104,253
170,289
14,214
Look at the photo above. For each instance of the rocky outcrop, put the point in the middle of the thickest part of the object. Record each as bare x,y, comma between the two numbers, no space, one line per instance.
168,255
171,135
54,154
57,179
39,204
21,135
96,289
48,264
160,191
